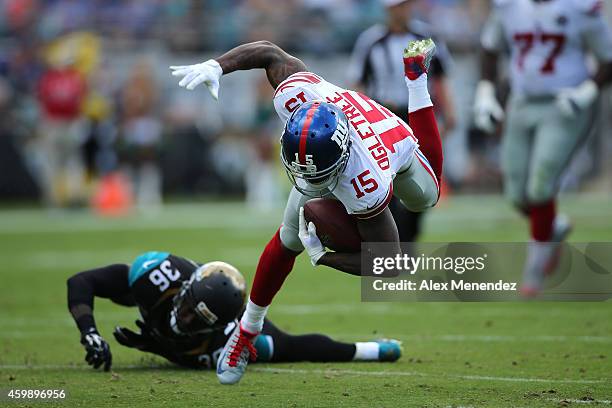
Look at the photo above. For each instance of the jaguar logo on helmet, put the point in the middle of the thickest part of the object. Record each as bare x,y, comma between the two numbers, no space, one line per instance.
315,147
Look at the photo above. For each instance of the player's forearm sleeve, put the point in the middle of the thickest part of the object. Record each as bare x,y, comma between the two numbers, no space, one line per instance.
108,282
492,36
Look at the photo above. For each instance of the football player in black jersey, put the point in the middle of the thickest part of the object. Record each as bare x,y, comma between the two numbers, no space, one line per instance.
188,310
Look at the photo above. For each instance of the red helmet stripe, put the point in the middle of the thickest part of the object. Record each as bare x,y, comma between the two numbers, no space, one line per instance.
304,134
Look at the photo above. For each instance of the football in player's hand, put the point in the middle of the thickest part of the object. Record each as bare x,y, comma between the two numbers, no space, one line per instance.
336,229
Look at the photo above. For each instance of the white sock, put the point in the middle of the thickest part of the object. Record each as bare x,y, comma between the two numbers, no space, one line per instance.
418,94
366,351
253,317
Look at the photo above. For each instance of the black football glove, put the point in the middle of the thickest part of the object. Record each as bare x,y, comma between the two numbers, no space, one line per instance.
147,340
98,350
128,338
142,341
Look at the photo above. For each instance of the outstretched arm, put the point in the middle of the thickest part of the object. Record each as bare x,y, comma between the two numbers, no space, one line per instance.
109,282
260,54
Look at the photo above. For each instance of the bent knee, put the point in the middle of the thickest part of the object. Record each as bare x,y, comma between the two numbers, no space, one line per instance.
420,203
289,238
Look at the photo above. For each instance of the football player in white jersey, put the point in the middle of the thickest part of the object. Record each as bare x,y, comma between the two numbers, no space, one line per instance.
336,143
550,108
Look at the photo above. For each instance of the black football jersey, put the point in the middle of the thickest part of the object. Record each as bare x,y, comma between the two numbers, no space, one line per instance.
155,278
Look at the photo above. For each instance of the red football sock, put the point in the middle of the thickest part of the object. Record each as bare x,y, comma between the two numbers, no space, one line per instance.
423,123
542,218
274,265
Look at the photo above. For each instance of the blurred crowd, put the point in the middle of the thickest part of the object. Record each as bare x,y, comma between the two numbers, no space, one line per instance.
214,25
89,113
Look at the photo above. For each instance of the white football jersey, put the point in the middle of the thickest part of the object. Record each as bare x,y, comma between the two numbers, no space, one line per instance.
382,143
548,41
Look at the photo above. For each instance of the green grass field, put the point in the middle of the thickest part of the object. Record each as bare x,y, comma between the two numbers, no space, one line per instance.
456,354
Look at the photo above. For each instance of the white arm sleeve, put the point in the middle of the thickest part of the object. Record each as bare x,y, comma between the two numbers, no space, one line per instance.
492,36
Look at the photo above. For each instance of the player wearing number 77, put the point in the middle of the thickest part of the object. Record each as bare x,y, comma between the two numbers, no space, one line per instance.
550,109
336,143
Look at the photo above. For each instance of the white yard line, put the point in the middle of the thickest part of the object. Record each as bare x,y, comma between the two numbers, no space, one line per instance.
331,372
173,217
51,259
579,401
416,374
543,338
24,332
460,211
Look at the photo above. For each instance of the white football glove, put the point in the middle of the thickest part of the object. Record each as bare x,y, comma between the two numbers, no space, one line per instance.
308,236
487,110
571,101
207,72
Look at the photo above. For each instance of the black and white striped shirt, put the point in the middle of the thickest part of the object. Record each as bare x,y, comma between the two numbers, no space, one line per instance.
377,64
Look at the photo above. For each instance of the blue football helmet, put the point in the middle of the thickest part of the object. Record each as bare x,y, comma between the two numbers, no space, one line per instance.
315,147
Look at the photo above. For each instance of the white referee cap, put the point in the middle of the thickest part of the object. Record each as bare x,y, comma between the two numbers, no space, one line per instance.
391,3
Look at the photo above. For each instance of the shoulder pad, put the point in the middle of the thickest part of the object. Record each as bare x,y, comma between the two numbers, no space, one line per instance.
589,7
297,79
144,263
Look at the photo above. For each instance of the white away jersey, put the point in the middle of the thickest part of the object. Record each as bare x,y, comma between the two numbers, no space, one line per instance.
381,142
548,41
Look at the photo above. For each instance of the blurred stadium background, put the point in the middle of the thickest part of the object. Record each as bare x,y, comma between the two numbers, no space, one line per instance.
141,138
168,162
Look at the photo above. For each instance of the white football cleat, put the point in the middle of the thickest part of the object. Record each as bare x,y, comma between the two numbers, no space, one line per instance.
539,255
562,228
235,356
543,257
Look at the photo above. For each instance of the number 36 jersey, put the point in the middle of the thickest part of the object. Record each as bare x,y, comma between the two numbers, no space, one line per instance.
382,143
154,278
548,41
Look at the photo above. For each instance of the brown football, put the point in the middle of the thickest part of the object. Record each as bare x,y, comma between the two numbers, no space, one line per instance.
336,229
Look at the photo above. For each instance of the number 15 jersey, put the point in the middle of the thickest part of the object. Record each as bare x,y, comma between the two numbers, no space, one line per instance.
382,143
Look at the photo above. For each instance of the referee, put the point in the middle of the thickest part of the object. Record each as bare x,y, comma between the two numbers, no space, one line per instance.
377,68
